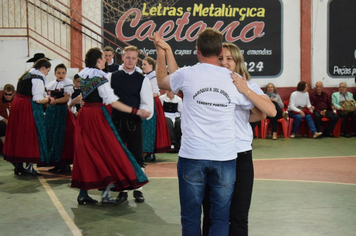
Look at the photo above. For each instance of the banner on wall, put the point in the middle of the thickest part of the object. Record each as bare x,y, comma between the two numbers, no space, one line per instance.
342,38
255,26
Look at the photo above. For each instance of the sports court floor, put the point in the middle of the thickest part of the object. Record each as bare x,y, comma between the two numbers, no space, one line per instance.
303,187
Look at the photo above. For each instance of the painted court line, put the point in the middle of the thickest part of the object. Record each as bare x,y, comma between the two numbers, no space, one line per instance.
304,181
299,158
75,230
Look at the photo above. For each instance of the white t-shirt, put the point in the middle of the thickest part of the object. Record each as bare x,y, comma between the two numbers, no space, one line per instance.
210,98
298,99
244,133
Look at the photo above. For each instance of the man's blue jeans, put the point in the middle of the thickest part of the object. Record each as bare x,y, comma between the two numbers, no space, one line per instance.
298,119
193,176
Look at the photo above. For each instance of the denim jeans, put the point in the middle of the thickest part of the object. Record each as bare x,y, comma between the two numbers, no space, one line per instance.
241,198
193,177
298,119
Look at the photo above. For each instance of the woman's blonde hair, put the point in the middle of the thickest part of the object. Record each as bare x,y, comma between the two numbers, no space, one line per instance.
238,59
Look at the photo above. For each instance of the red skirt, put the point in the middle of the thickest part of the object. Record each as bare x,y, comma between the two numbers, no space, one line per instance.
21,142
68,148
99,158
163,141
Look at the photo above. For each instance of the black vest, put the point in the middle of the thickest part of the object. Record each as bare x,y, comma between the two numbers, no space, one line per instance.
93,97
170,107
24,86
113,67
127,88
75,94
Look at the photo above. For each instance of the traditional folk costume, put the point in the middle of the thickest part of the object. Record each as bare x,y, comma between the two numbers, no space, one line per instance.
26,139
100,156
134,90
172,111
60,125
155,131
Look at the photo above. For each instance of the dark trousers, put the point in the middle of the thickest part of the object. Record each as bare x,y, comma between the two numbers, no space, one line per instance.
274,120
344,115
130,132
333,120
241,198
175,132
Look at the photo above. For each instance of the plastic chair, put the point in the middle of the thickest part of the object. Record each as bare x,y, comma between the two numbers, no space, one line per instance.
336,131
302,127
256,131
264,127
337,128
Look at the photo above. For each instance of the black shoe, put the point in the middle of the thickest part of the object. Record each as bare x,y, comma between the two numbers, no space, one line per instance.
347,135
328,135
122,197
86,200
138,196
65,169
56,168
19,171
150,157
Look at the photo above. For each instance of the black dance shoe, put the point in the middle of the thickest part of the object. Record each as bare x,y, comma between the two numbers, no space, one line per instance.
65,169
150,157
19,171
138,196
122,197
86,200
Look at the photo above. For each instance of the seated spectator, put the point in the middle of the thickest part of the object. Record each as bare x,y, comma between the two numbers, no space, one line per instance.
300,108
172,106
337,100
323,108
5,106
271,92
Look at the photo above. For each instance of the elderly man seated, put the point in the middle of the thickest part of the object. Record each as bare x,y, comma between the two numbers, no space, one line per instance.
338,99
323,108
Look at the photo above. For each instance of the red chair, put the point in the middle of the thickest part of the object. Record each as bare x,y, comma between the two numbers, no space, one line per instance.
256,131
336,131
264,127
337,128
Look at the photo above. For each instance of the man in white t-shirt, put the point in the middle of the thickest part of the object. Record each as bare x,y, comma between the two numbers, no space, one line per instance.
208,150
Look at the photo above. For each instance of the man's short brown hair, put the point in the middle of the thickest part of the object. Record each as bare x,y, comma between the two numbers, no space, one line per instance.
9,87
109,48
209,42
